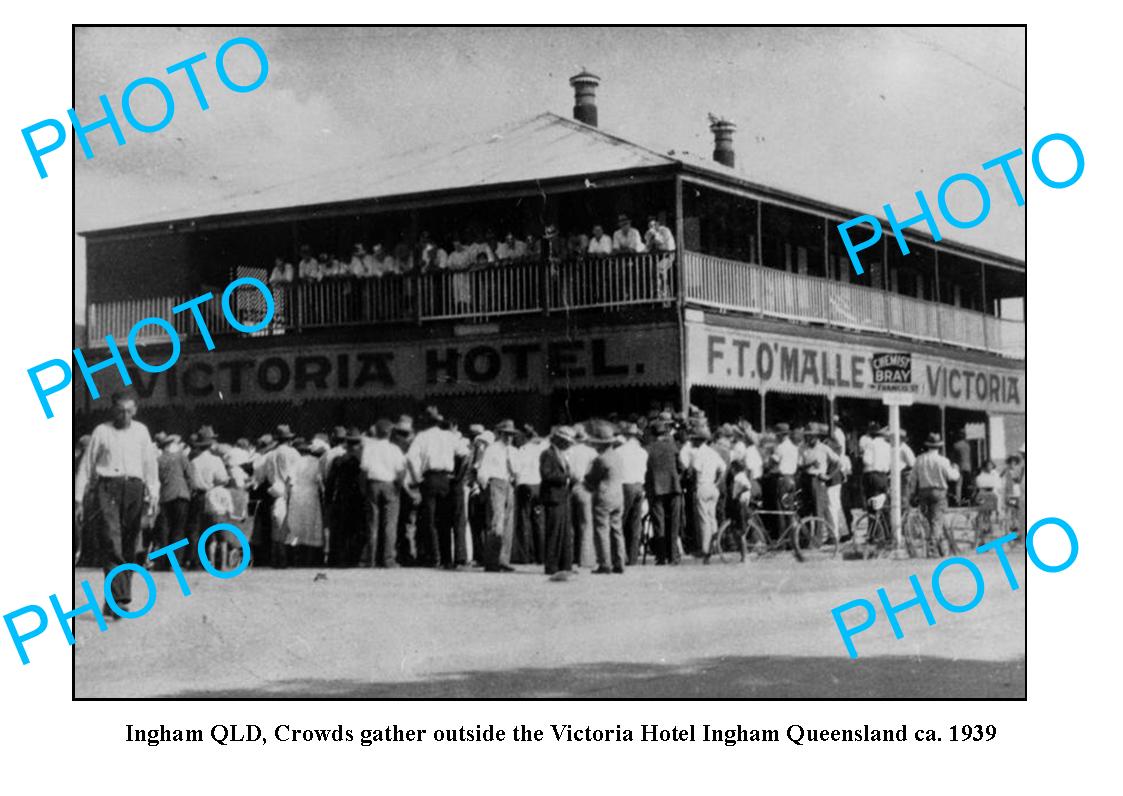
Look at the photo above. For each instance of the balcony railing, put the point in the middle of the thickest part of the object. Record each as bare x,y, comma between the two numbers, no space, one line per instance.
740,287
512,288
608,283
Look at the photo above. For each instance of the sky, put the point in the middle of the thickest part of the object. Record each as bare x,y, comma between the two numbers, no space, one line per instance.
857,117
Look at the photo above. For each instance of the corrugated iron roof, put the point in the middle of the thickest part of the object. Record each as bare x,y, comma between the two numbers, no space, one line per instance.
544,147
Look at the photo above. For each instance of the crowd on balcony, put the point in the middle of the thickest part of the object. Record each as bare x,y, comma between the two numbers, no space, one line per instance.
470,249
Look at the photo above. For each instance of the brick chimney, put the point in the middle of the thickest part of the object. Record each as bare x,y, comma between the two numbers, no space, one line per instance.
585,96
723,140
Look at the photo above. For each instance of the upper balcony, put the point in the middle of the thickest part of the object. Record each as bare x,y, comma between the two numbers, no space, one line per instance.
733,286
609,284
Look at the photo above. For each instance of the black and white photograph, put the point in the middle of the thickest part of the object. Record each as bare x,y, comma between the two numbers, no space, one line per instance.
550,363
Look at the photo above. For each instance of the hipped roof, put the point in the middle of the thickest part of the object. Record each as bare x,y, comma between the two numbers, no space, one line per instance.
542,148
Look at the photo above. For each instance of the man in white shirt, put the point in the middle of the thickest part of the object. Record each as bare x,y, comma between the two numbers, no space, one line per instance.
838,433
706,467
635,473
357,267
658,237
119,465
510,248
815,460
432,459
864,441
494,473
383,465
279,474
529,545
206,472
908,458
580,457
754,463
930,477
337,449
308,269
282,272
877,459
783,465
626,239
600,244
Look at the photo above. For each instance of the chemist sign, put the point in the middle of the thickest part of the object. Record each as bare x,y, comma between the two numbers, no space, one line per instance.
892,372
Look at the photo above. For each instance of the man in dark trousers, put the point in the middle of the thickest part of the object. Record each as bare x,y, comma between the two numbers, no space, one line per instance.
554,495
175,495
345,495
664,493
962,456
120,463
432,460
605,480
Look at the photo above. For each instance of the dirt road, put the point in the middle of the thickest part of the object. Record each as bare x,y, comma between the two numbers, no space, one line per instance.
726,630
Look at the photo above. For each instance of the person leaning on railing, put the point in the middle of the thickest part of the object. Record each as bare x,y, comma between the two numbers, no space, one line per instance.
460,260
659,238
308,269
510,248
282,272
600,244
626,239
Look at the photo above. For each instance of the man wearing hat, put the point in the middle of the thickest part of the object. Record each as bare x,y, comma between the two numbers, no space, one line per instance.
626,239
635,473
206,471
383,466
816,461
409,496
260,539
345,499
175,495
280,471
929,478
664,492
554,495
432,460
308,269
494,473
784,464
706,468
605,480
580,456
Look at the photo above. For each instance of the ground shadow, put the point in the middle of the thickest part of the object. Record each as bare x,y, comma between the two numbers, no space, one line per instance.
738,677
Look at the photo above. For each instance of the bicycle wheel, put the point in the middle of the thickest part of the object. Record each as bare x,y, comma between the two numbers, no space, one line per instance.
960,531
865,533
717,544
812,538
757,538
914,529
819,536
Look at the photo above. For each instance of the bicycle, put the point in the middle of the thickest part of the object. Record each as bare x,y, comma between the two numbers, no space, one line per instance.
809,537
872,536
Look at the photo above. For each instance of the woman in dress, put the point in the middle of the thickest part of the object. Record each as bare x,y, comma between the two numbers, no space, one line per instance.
304,524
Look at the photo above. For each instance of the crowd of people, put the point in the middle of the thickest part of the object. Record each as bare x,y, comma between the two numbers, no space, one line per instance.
436,494
472,248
